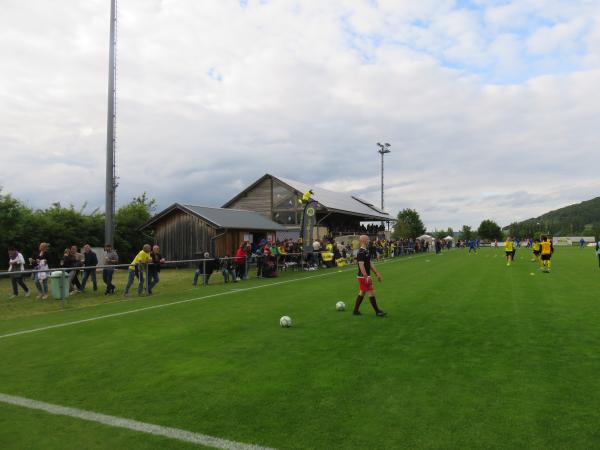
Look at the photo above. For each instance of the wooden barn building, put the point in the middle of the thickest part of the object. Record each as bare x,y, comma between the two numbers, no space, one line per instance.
267,209
276,199
187,231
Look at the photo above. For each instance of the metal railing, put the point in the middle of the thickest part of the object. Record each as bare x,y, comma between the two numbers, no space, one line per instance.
298,261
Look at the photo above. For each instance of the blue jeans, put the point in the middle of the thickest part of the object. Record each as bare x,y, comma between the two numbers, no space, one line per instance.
229,274
130,277
153,279
87,273
41,285
204,280
107,275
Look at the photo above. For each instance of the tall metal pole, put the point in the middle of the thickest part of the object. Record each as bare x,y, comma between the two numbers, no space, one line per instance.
383,149
382,180
109,225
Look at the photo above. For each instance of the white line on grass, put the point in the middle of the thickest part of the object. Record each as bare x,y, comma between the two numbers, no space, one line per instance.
120,422
178,302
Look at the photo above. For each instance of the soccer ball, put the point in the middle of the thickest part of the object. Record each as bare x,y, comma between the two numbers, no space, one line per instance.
285,322
340,306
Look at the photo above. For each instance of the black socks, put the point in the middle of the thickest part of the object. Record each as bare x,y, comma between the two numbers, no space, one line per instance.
358,301
374,304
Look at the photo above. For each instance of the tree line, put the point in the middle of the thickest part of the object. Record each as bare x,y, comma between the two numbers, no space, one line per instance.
61,226
410,226
580,219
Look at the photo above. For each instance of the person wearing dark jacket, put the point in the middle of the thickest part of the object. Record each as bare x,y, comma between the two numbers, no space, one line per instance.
154,268
206,268
228,269
110,259
90,259
71,260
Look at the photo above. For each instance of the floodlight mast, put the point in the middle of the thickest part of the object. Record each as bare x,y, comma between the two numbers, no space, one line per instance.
109,224
383,149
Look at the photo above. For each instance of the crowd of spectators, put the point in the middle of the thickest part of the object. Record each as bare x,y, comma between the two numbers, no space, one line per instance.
268,257
350,229
75,263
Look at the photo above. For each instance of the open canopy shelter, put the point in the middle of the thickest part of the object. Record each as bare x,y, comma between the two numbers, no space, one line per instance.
277,199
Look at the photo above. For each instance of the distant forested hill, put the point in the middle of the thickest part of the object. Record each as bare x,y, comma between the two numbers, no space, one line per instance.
573,220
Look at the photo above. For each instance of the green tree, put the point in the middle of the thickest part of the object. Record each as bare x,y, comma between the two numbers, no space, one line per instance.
489,230
409,224
16,223
61,227
466,233
443,233
595,231
438,234
129,239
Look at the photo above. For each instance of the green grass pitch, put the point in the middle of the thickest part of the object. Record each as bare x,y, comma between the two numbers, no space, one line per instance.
473,354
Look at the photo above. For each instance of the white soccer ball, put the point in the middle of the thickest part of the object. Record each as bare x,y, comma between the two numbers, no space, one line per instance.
285,322
340,306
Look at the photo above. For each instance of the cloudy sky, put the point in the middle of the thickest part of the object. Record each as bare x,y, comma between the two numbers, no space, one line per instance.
492,107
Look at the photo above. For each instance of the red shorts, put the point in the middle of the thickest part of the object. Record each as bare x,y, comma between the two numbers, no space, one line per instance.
365,284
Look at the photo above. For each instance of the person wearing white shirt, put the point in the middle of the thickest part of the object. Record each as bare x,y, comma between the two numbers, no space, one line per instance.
16,264
316,256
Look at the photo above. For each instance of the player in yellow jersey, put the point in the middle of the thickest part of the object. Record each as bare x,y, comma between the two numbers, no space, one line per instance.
536,250
509,248
546,254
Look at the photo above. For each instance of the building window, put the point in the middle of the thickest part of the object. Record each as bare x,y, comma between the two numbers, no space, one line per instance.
286,217
280,195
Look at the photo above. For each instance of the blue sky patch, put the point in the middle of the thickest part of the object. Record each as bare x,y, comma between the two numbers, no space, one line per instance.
214,74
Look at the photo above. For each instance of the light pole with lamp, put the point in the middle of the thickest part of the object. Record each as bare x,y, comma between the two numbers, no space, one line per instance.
383,149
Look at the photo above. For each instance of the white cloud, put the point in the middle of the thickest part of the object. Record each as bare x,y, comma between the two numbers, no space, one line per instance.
562,38
212,96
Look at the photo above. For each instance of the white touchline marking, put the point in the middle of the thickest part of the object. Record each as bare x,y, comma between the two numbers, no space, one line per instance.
120,422
178,302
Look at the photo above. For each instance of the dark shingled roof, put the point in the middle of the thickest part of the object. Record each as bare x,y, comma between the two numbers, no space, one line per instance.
224,218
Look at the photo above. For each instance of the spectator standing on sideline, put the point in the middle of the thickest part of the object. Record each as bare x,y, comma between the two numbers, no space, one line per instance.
581,243
154,268
260,258
206,268
71,261
110,259
240,261
40,262
89,260
137,269
16,265
316,254
228,269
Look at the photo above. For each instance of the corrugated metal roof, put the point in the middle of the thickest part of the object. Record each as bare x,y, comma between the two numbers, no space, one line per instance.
235,218
339,201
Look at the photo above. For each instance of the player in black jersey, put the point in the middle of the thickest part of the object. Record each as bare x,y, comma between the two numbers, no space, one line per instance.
364,278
